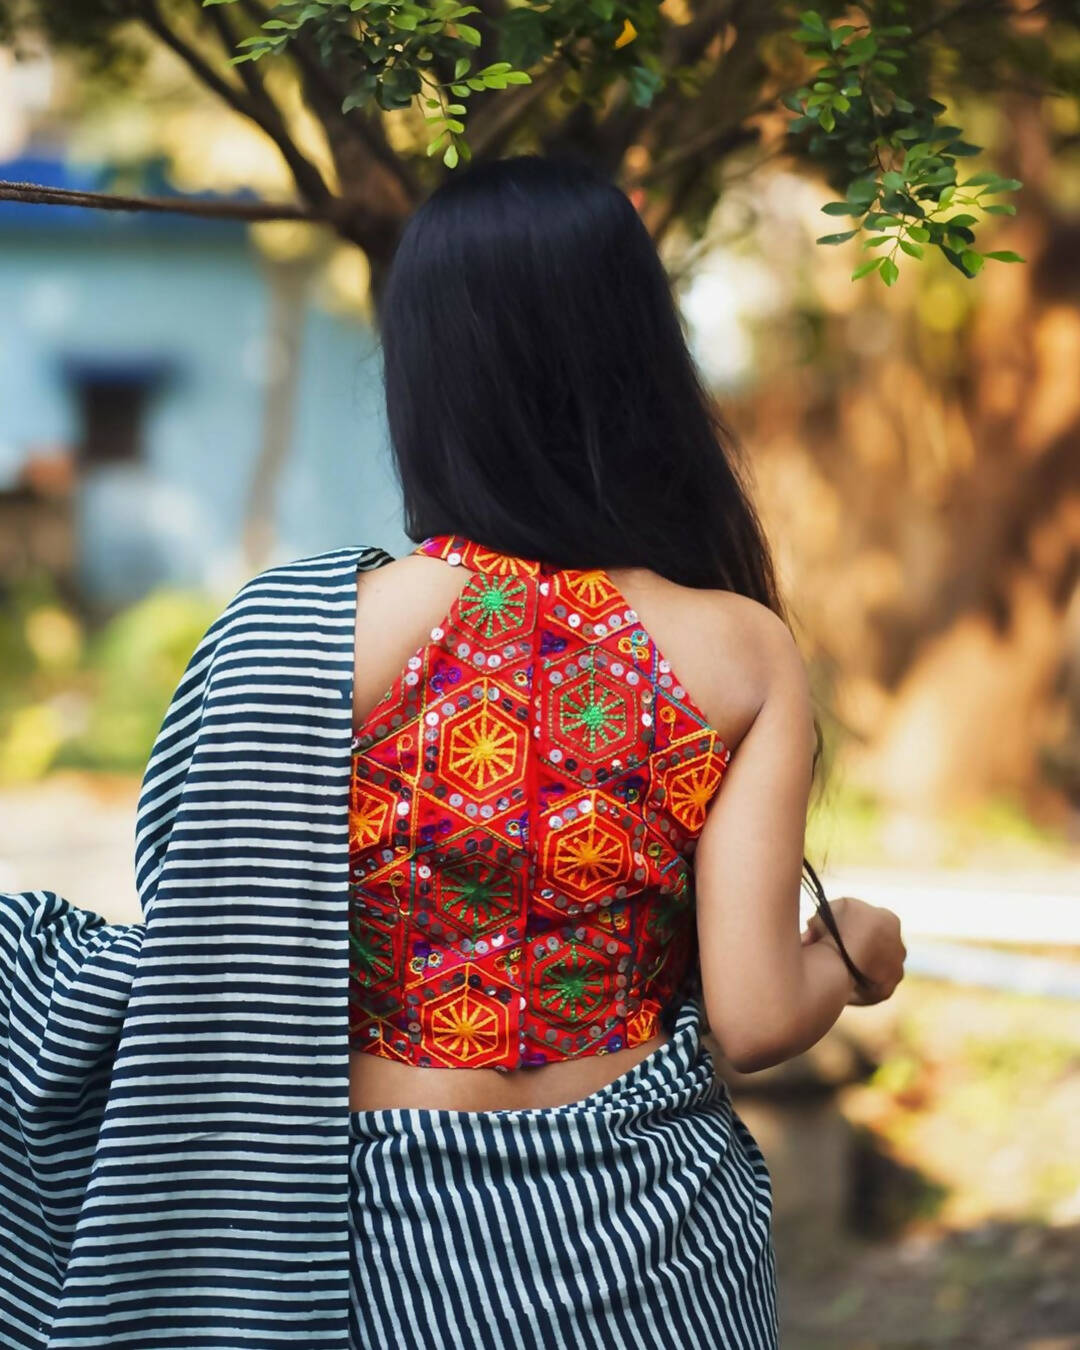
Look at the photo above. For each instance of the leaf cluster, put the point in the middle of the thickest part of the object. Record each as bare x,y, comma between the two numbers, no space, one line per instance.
866,107
395,52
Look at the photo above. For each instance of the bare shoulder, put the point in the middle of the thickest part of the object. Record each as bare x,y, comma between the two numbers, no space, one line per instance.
405,586
723,619
730,651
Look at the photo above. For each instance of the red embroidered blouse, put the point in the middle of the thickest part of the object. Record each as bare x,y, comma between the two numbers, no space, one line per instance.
526,799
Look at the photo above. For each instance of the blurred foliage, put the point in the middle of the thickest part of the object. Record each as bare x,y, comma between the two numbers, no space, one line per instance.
658,95
977,1090
852,826
75,698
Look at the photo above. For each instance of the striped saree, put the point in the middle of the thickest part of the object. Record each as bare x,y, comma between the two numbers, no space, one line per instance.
179,1167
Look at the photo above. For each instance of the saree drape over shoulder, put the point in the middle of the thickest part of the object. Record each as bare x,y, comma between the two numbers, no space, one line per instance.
179,1167
174,1108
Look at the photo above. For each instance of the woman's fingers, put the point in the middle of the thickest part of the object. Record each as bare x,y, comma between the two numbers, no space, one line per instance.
814,929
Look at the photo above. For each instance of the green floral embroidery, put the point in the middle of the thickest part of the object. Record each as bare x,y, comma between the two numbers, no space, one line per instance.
476,894
596,712
573,988
494,604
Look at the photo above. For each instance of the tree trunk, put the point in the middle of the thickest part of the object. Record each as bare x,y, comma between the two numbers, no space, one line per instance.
288,285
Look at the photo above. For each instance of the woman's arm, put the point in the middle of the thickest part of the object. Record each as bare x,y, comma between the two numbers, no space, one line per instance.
767,995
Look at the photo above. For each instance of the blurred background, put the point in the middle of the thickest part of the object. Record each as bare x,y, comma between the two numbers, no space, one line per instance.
184,401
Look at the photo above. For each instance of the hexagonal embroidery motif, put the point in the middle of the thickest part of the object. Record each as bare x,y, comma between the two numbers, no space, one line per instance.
587,859
480,749
524,805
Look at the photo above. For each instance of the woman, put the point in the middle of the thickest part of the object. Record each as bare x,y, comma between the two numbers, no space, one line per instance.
444,869
541,729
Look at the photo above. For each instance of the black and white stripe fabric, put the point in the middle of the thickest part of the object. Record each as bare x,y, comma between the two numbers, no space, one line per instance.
179,1169
174,1094
637,1216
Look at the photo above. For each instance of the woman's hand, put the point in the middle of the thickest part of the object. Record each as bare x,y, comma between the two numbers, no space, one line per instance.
871,935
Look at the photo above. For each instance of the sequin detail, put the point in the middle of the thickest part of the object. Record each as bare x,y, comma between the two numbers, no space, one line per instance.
524,807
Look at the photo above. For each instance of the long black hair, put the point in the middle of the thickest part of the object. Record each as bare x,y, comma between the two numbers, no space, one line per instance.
541,397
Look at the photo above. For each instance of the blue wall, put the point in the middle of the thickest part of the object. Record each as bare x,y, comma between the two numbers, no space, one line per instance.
188,301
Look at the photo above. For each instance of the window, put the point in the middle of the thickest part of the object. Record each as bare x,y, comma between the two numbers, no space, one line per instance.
112,413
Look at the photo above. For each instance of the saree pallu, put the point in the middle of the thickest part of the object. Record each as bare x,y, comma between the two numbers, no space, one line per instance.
179,1169
637,1216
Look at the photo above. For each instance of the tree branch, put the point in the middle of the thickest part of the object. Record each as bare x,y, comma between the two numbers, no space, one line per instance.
38,195
718,140
262,111
490,128
954,12
326,96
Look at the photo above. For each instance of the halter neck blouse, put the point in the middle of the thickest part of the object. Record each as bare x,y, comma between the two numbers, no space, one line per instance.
525,803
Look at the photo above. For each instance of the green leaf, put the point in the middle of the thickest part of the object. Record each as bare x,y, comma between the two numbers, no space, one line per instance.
1000,209
644,84
971,259
953,259
981,179
450,156
914,250
472,36
960,220
461,66
837,238
875,240
889,271
1005,255
436,143
842,209
861,49
864,269
518,77
863,190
